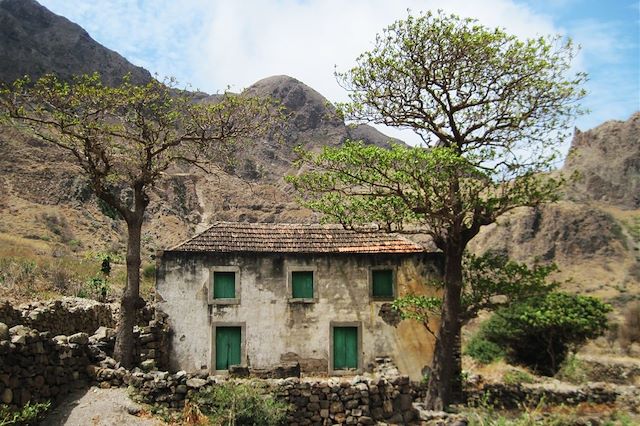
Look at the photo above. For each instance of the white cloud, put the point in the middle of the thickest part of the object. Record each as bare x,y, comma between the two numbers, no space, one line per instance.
212,44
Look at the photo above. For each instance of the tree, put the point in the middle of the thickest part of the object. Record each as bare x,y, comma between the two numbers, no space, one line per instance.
126,138
490,108
489,282
539,331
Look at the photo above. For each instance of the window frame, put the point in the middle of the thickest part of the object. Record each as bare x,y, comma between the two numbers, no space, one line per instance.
211,287
301,268
394,281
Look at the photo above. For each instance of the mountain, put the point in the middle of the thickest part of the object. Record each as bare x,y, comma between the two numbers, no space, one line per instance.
35,41
45,201
594,233
616,180
47,210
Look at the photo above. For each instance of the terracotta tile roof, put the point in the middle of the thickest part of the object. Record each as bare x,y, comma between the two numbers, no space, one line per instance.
294,238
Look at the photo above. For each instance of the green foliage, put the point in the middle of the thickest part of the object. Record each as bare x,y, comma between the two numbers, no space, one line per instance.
149,271
30,414
108,210
573,370
489,282
240,404
484,351
540,331
514,377
96,287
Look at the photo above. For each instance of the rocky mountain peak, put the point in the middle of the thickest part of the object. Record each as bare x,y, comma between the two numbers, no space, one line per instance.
308,108
607,161
35,41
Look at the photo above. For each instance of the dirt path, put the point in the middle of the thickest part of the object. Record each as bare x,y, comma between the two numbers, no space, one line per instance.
98,407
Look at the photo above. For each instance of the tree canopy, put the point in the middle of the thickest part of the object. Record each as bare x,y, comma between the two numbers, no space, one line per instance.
491,110
126,138
490,282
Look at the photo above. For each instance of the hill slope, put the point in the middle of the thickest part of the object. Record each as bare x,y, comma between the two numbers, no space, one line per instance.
47,211
34,41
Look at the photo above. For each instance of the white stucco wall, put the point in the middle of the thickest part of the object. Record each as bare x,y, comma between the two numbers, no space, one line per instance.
276,330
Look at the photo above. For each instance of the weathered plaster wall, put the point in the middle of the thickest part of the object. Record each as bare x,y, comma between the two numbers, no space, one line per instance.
276,330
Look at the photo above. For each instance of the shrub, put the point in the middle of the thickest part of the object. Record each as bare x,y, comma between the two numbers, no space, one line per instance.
149,271
540,331
630,329
573,370
241,404
515,377
482,350
26,415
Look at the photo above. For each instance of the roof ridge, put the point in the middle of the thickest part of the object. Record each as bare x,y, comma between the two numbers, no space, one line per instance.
223,236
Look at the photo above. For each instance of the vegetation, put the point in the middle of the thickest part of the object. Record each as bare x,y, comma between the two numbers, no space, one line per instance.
489,107
239,404
27,415
483,350
573,370
486,414
540,331
125,138
629,331
489,282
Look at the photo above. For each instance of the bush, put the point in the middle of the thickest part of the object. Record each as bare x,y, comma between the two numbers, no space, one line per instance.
29,414
241,404
630,329
149,271
482,350
573,370
515,377
540,331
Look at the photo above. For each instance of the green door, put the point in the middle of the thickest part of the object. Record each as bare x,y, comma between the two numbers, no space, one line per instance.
345,348
228,347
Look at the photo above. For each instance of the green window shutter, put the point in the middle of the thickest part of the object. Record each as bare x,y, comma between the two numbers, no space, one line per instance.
302,284
224,285
382,281
228,347
345,348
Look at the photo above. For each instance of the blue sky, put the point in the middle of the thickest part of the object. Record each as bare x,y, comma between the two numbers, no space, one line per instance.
215,44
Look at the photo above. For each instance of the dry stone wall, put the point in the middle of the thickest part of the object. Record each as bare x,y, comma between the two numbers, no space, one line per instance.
48,349
63,316
327,401
36,367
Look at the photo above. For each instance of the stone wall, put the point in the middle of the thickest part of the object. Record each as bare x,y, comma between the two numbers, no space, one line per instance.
36,367
63,316
49,362
328,401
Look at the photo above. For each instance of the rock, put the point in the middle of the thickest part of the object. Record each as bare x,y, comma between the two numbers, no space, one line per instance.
79,338
20,339
238,371
133,409
196,383
7,396
61,339
19,330
4,331
103,333
148,365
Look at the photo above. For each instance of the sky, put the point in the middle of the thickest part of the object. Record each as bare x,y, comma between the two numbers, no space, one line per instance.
213,45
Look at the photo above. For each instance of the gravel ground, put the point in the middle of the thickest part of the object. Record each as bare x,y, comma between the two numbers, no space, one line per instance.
98,407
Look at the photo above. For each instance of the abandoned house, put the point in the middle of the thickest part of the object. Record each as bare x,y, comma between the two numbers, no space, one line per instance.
261,295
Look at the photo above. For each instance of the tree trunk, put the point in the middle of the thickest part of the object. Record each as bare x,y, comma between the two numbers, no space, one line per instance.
124,346
445,368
